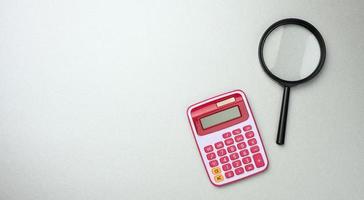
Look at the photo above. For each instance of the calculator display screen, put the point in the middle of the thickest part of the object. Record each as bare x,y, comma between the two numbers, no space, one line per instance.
220,117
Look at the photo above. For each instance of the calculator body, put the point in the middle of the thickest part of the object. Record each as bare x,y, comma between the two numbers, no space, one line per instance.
227,138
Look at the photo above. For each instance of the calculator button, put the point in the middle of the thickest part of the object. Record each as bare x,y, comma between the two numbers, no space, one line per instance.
254,149
244,152
229,174
208,148
213,163
258,160
249,134
236,163
234,156
247,128
239,171
216,170
241,145
231,149
226,135
229,141
239,138
252,142
249,167
236,131
218,178
219,145
247,160
226,167
221,152
224,159
211,156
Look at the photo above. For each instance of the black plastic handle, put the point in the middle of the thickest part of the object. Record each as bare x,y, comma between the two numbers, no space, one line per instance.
283,118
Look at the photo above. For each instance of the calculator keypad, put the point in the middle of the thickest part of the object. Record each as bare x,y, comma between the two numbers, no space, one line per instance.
249,167
224,159
249,134
247,128
235,154
236,131
241,145
258,160
214,163
226,135
229,141
221,152
216,170
239,138
252,142
244,152
211,156
247,160
219,145
231,149
218,178
229,174
239,171
208,148
226,167
236,163
254,149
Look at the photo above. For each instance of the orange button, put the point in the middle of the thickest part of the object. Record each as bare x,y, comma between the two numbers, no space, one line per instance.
219,178
216,170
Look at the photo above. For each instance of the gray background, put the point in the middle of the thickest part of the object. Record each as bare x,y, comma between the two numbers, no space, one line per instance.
93,96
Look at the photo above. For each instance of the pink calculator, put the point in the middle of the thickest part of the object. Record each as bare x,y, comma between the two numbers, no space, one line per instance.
227,138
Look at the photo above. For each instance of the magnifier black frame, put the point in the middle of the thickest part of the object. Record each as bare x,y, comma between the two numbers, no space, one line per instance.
288,84
309,27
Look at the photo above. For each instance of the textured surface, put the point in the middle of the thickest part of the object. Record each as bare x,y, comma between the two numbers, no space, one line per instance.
93,98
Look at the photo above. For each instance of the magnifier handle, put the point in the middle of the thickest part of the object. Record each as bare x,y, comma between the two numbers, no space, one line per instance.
283,118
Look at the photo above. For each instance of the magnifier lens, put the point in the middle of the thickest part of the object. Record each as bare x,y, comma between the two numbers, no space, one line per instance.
291,52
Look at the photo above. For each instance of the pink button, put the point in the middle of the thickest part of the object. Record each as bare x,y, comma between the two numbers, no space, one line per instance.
219,145
241,145
239,170
252,142
234,156
224,159
226,135
249,134
236,163
236,131
231,148
208,148
229,174
229,141
249,167
213,163
247,160
226,167
247,128
244,152
239,138
258,160
254,149
221,152
211,156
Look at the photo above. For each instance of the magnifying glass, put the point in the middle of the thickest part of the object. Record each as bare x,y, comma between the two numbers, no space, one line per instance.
291,51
